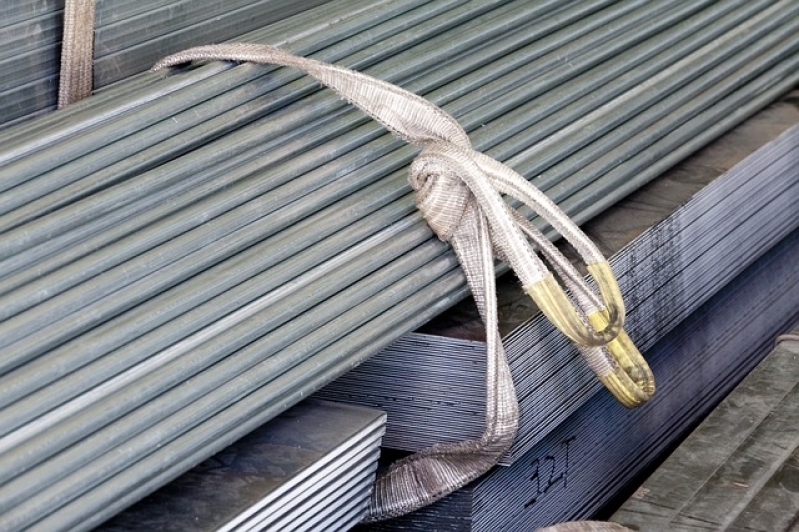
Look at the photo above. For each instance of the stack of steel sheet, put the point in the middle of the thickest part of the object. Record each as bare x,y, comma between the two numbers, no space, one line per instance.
433,387
185,256
129,37
579,467
737,470
311,468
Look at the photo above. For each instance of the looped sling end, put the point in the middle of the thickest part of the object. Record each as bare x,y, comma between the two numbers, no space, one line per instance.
628,391
630,380
609,290
625,373
556,306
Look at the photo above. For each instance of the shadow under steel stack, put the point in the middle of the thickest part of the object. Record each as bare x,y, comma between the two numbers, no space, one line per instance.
129,37
187,255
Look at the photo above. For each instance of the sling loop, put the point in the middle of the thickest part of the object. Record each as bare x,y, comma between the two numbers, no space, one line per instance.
459,192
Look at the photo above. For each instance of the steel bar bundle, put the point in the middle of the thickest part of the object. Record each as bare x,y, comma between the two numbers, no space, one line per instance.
311,468
581,465
129,38
185,256
432,386
736,471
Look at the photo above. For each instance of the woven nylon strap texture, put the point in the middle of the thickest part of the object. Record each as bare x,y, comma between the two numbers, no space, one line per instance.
77,52
458,190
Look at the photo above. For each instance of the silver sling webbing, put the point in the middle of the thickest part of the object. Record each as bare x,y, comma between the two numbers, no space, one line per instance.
459,191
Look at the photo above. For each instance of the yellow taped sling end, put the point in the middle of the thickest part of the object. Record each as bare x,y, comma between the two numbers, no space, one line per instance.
609,290
557,307
631,381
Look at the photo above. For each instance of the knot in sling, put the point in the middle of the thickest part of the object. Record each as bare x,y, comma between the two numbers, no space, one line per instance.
459,192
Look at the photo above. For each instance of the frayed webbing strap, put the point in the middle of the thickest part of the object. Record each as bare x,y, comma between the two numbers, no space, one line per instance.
77,52
459,192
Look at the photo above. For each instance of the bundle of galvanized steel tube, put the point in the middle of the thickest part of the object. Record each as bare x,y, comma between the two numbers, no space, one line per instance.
184,256
129,37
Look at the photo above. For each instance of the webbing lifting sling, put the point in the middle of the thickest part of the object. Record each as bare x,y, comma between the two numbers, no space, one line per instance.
460,193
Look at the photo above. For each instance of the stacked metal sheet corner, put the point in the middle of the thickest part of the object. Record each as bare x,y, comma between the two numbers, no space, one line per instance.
433,387
581,466
129,37
188,254
311,468
738,469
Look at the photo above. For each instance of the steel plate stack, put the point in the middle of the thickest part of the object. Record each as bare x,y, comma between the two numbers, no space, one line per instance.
737,470
311,468
598,450
433,387
188,254
129,37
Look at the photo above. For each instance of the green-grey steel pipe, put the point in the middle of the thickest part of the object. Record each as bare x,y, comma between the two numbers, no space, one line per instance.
584,94
19,382
233,146
185,94
188,190
179,455
764,26
321,330
169,317
78,271
57,246
351,16
237,106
